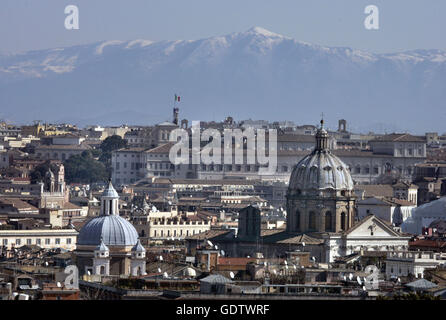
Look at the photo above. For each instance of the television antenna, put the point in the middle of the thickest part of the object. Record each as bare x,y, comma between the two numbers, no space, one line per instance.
231,274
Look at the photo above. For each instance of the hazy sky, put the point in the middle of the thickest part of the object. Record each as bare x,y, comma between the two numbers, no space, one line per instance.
404,24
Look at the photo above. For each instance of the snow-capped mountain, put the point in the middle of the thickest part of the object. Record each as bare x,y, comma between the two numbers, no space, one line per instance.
254,74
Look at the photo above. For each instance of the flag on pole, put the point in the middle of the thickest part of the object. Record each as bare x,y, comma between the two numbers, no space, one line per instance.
177,98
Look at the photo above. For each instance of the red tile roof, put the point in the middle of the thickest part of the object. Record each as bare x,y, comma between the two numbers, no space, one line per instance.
235,261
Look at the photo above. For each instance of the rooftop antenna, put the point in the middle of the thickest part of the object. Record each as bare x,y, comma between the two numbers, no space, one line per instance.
159,270
222,252
161,258
231,274
359,280
58,284
350,276
89,273
165,275
210,243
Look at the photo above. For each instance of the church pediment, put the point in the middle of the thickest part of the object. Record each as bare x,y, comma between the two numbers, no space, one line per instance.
372,226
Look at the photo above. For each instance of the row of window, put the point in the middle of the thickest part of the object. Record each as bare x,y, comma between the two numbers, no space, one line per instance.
63,156
125,155
174,234
410,151
162,165
133,165
38,241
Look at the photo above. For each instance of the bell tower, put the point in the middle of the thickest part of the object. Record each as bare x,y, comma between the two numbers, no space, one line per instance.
138,261
101,260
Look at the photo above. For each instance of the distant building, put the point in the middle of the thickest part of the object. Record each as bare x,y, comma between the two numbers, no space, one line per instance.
394,211
404,264
60,152
44,238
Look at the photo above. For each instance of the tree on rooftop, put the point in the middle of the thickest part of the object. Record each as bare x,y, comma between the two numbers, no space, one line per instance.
38,174
85,169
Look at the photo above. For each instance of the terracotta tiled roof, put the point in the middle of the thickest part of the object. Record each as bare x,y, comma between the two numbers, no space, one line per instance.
428,243
234,261
131,149
164,148
18,204
378,190
210,234
64,147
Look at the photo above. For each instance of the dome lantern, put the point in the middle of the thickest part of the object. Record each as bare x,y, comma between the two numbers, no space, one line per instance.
321,138
109,201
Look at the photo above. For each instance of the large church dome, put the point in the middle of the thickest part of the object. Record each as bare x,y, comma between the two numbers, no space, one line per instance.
112,229
320,170
320,195
109,227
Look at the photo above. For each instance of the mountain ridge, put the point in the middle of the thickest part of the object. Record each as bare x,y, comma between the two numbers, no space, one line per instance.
218,76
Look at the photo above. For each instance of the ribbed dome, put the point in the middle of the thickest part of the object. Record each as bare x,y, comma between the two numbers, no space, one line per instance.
112,229
321,170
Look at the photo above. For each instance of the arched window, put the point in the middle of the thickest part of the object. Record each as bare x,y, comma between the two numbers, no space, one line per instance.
312,220
328,221
102,270
343,216
297,217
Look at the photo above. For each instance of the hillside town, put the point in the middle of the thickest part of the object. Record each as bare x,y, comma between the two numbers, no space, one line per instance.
345,216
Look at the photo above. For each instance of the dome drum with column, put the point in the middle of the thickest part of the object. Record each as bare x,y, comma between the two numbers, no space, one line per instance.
320,195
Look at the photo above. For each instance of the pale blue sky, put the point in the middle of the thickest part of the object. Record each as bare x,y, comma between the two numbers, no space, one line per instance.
404,24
